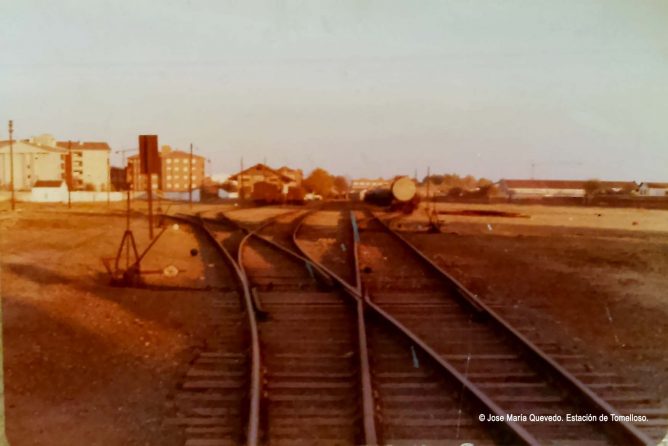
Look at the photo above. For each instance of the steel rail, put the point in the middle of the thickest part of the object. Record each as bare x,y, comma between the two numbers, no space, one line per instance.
368,410
518,432
368,406
623,430
252,430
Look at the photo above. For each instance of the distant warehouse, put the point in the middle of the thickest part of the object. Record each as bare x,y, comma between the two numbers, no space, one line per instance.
559,188
653,189
261,175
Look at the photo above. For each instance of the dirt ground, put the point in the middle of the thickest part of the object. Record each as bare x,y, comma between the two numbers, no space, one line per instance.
85,362
591,277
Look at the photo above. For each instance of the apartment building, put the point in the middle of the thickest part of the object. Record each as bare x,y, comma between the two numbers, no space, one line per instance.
35,159
90,164
177,172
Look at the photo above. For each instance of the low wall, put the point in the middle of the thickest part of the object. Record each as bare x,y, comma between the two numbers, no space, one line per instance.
599,201
60,196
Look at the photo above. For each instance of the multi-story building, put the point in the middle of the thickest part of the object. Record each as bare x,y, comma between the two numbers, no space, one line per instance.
137,180
43,158
178,172
34,159
119,179
90,164
177,165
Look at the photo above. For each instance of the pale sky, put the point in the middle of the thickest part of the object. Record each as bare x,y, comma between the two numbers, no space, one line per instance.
359,87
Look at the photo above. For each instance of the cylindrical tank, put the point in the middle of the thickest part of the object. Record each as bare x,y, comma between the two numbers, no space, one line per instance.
403,189
401,196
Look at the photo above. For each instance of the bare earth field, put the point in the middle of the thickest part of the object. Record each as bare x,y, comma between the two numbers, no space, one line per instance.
87,363
595,279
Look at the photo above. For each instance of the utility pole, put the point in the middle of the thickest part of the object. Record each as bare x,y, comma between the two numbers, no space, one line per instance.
69,175
241,180
428,184
190,177
108,182
11,163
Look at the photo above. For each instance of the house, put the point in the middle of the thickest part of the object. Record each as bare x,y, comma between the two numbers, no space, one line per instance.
296,175
89,164
650,189
34,159
557,188
49,191
260,173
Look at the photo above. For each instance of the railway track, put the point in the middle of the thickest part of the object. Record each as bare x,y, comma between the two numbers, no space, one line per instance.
412,359
308,337
328,363
220,394
517,375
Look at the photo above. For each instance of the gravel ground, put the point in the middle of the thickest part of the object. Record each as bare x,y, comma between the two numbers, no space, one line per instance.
87,363
599,288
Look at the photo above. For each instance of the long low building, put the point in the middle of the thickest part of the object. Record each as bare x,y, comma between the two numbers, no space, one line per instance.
282,178
650,189
558,188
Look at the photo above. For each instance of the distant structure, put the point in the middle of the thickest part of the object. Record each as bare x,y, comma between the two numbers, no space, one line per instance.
119,179
35,159
90,164
557,188
296,175
360,186
247,179
650,189
49,191
174,172
176,168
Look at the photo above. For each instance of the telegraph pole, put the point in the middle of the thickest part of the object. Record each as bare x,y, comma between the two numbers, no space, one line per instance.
108,182
11,163
241,180
69,174
190,177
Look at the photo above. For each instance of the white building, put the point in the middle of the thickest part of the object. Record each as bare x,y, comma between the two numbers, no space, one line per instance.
34,159
90,164
653,189
54,191
558,188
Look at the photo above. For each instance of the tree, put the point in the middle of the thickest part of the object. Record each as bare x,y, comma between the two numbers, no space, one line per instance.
434,179
320,182
341,184
483,182
591,188
469,182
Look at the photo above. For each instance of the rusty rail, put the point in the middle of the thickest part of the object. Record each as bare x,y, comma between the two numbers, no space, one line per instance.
368,410
513,429
622,430
255,391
